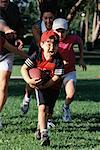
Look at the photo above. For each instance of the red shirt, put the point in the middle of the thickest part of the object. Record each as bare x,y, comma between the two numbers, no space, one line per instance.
53,66
67,52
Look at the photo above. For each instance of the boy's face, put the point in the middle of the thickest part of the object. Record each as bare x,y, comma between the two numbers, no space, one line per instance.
62,33
49,47
48,18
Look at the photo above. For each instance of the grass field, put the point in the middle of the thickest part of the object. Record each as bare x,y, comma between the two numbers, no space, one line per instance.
83,133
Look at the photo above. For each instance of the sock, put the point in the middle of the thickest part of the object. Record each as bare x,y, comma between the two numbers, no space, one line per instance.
44,133
66,105
26,99
44,130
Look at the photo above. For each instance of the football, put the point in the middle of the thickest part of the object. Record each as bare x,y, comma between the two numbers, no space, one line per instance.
35,73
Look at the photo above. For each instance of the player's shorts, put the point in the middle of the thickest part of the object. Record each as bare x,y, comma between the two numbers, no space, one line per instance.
46,96
69,76
7,63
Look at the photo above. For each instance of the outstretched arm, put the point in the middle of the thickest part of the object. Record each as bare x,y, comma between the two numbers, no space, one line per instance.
14,49
50,82
36,33
81,63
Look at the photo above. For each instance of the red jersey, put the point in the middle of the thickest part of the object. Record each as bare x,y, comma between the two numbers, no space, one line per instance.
52,67
67,52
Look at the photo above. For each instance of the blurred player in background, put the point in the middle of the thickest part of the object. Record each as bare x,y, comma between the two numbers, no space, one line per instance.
10,14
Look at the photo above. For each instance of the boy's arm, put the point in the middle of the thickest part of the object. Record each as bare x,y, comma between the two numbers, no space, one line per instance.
50,83
36,33
81,63
10,33
14,49
4,27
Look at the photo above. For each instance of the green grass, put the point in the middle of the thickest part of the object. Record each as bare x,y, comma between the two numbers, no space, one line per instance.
83,133
93,72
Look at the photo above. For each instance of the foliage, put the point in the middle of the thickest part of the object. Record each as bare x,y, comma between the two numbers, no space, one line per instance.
29,12
85,7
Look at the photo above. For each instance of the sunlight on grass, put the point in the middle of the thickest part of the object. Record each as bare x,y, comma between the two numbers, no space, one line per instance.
83,133
93,72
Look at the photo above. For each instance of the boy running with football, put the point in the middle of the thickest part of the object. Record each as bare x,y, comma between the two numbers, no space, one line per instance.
50,63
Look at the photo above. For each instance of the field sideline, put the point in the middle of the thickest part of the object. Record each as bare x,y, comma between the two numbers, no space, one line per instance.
83,133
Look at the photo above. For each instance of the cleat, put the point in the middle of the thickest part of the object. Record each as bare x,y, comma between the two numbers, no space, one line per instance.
37,134
50,124
45,139
25,108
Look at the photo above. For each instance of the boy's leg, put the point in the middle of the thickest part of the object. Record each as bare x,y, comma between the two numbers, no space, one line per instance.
26,99
54,96
69,90
5,72
69,83
4,79
42,117
42,132
50,123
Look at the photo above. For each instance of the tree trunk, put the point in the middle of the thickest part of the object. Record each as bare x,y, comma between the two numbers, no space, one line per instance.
86,26
96,23
73,10
94,26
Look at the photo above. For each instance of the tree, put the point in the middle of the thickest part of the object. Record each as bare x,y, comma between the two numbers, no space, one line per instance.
96,22
70,6
72,10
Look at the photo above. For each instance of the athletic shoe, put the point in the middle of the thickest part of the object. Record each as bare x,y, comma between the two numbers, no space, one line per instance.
67,114
1,126
50,124
25,107
45,139
37,134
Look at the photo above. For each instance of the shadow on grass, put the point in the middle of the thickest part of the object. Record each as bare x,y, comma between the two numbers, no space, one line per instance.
76,134
73,145
86,90
20,124
16,88
88,122
81,129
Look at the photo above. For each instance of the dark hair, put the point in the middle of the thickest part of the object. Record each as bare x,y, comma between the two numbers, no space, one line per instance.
47,7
